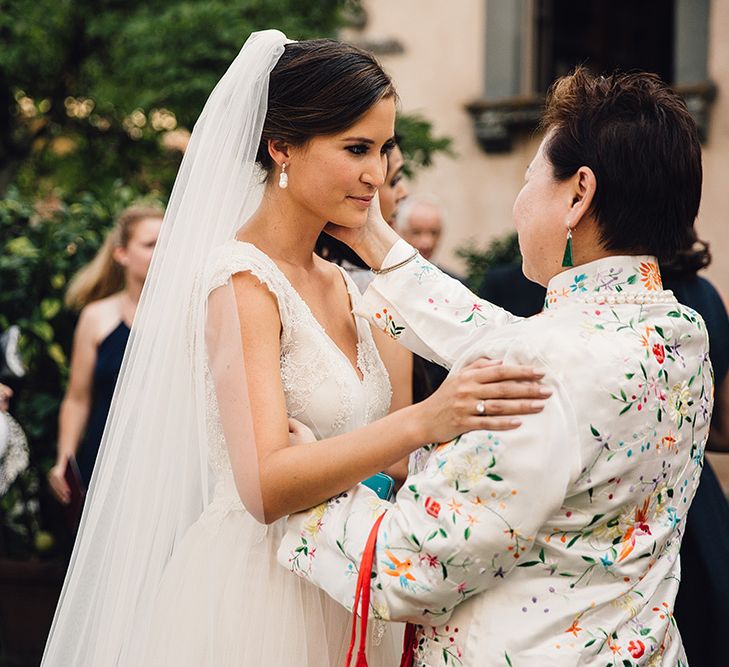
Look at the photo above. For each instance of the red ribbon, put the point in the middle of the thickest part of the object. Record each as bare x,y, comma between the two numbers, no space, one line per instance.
363,591
408,646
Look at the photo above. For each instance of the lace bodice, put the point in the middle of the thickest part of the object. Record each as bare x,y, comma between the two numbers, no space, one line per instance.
321,388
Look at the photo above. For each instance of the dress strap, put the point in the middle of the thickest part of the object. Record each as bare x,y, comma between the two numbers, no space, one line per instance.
235,257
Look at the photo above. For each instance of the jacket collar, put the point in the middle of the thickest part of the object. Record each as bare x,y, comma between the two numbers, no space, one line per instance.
608,277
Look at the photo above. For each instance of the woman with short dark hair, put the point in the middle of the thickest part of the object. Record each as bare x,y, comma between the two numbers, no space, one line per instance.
557,543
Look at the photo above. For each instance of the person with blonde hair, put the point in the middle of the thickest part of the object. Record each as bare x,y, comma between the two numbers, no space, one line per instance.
107,292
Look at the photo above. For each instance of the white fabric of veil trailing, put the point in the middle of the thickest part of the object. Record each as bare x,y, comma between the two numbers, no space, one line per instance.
150,483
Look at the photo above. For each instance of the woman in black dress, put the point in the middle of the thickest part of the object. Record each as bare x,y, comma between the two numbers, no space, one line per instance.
107,292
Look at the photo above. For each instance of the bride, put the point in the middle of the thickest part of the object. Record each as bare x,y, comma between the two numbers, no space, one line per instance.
239,329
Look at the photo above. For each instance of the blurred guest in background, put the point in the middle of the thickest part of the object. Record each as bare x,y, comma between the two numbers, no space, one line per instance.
6,393
420,222
505,285
13,444
18,513
394,190
14,455
106,291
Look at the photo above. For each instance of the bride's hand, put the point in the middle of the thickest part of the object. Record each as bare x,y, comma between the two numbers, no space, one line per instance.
372,241
503,391
299,433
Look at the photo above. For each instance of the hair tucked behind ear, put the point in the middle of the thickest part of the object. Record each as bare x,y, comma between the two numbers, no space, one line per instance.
639,139
102,276
319,87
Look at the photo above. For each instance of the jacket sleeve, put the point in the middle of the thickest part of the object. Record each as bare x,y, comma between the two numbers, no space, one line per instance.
429,312
457,528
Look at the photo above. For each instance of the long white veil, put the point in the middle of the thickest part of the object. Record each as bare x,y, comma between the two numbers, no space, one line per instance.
151,480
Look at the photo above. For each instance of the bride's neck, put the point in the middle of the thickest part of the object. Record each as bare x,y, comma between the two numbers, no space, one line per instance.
283,230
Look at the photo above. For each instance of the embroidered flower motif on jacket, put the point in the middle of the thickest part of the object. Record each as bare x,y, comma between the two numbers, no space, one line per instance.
558,542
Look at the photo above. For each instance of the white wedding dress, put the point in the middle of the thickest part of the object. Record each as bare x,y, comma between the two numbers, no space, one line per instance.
224,600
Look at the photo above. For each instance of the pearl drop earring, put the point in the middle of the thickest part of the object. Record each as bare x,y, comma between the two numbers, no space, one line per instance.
283,179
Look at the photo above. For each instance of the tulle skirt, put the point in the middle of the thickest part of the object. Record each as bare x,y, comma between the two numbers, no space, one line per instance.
225,601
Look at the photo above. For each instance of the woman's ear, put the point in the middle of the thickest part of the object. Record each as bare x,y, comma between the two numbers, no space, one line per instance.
584,188
279,151
119,255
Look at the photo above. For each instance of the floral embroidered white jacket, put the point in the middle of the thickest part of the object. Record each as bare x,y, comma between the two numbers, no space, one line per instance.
556,543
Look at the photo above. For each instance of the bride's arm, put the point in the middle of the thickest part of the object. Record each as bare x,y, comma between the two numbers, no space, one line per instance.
296,478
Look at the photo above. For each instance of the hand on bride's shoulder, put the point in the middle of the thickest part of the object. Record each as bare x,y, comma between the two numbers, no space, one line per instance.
299,433
485,395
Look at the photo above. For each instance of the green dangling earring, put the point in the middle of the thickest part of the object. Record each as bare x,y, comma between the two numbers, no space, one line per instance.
567,259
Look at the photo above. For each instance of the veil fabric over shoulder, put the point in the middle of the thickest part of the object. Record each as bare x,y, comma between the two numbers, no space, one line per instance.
150,483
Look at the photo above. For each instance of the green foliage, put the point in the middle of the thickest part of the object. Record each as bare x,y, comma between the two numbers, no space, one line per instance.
21,532
81,81
92,92
418,143
503,250
172,53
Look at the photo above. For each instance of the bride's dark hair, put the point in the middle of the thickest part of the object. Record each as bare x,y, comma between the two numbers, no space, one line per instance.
319,87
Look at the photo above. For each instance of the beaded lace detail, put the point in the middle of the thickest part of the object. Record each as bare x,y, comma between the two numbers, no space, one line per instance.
217,454
379,393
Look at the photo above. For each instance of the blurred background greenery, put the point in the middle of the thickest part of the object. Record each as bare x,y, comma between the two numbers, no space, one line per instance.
94,92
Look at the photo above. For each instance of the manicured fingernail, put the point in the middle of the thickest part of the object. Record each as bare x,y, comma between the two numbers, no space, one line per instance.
545,391
537,405
539,372
515,422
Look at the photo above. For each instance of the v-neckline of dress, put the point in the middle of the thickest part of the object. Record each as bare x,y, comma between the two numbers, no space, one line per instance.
358,372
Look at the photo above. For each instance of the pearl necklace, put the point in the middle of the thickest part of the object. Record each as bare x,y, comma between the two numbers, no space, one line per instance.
664,296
